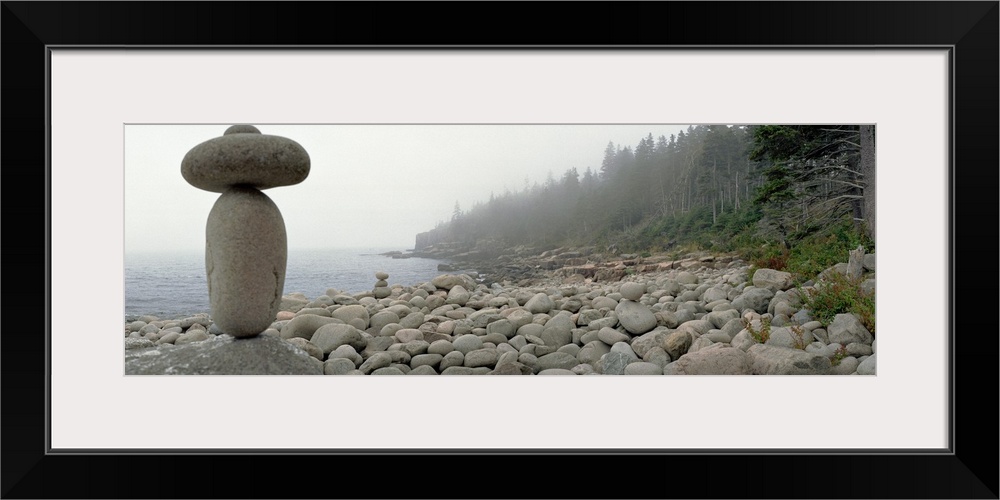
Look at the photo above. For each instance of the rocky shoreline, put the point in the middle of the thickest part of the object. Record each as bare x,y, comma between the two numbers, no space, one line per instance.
565,311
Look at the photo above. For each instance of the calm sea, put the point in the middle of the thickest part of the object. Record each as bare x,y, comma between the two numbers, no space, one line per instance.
171,285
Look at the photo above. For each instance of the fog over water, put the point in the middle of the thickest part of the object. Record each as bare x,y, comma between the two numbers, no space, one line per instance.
369,185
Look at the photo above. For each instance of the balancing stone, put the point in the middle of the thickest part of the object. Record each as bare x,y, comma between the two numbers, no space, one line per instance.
246,247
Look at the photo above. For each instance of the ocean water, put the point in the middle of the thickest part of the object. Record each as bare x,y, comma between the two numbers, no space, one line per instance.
172,285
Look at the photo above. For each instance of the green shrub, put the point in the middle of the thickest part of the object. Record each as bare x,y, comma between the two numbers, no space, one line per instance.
763,334
816,252
841,295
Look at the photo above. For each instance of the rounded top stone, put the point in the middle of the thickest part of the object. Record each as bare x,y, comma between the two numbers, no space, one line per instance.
244,156
241,129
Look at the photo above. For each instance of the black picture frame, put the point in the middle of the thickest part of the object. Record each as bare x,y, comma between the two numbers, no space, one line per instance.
30,28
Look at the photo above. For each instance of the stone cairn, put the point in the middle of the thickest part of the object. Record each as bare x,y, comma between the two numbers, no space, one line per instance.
381,290
246,246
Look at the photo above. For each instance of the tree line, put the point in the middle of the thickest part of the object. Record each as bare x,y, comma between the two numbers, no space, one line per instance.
713,184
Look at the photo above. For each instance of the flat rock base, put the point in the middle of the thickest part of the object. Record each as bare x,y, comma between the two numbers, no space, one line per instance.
223,355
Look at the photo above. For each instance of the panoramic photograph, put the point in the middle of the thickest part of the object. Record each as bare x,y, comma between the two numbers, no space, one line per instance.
562,249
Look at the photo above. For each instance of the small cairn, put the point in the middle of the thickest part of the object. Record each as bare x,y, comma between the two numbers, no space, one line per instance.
382,290
246,246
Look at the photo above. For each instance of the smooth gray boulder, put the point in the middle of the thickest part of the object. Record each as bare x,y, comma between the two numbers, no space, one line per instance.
557,360
712,360
305,326
771,360
772,280
224,355
331,336
846,329
245,256
243,156
635,317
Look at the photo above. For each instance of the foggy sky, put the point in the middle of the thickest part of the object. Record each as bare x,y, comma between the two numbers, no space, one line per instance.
369,186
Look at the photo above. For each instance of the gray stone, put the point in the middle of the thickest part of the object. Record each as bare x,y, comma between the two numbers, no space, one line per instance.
667,318
149,329
225,355
859,349
381,275
319,311
448,281
677,343
374,362
556,371
481,357
788,337
432,360
718,336
331,336
346,352
846,329
720,360
243,156
770,360
539,303
458,295
557,360
696,326
423,370
519,317
132,343
643,368
382,318
192,336
503,327
714,294
169,338
441,347
305,326
245,256
686,278
754,298
453,358
583,369
867,366
376,344
869,261
592,352
467,343
412,348
821,335
399,357
633,291
635,317
656,338
412,320
610,336
772,280
614,363
558,331
457,370
338,366
306,346
847,366
699,343
802,316
603,302
512,368
720,318
408,335
658,356
388,370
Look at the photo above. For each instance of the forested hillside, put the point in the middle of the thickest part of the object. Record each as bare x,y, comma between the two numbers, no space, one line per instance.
781,194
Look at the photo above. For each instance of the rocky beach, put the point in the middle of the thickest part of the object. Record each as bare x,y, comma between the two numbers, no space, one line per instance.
566,311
